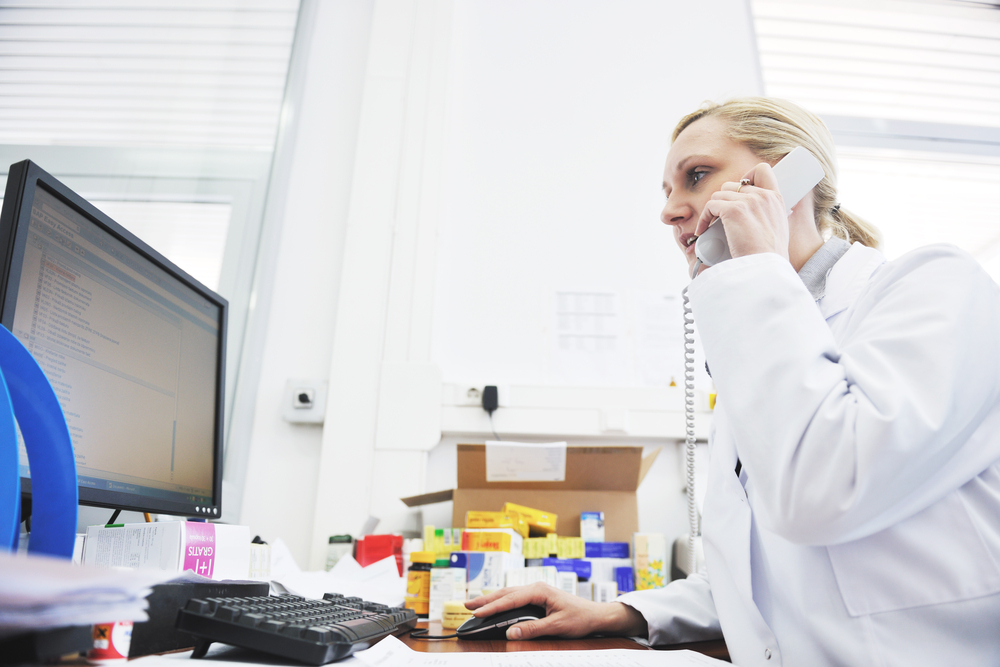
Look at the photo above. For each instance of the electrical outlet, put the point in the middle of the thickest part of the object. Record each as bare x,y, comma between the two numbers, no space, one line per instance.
305,401
472,396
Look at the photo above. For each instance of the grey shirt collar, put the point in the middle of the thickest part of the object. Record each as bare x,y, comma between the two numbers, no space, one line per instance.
817,267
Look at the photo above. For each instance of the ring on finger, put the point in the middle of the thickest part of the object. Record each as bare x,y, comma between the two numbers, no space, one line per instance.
743,181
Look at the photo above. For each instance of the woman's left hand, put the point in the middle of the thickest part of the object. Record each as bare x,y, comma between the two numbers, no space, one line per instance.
753,214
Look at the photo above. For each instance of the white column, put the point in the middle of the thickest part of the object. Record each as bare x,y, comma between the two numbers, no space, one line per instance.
384,405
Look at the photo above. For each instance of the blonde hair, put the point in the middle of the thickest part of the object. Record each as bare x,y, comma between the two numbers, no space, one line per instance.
771,128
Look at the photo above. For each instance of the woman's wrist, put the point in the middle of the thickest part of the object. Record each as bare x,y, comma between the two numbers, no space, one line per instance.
626,621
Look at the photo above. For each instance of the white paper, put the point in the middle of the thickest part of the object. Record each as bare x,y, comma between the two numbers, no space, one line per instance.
525,462
282,560
391,652
588,346
40,592
379,582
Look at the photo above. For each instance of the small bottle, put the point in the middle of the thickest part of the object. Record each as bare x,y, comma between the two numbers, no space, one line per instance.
418,582
338,547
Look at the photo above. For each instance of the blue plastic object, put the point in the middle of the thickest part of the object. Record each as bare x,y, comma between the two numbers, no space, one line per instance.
27,394
10,481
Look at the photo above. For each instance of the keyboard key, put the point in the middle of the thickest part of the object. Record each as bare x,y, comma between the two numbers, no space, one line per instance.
227,613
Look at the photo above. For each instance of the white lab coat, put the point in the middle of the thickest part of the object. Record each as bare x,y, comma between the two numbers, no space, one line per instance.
864,528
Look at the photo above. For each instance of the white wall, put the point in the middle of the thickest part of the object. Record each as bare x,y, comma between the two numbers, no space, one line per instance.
560,114
455,162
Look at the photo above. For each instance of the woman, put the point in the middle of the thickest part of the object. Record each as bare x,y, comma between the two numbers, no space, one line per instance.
852,512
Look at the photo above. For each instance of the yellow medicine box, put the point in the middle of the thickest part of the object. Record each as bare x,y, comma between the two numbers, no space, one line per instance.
570,547
536,547
512,520
499,539
538,521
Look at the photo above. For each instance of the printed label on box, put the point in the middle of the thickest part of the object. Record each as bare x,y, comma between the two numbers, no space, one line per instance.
524,462
199,548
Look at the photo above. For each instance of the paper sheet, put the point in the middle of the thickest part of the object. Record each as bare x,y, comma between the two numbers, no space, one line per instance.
525,462
588,346
379,582
44,592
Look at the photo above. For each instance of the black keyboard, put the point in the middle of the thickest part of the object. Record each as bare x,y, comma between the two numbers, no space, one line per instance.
311,631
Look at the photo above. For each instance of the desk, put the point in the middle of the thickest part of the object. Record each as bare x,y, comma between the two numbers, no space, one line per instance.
714,649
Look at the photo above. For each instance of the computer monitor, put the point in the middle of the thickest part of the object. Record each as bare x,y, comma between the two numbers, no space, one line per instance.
134,347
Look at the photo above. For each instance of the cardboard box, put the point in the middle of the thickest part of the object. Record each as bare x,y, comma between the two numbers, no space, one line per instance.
598,479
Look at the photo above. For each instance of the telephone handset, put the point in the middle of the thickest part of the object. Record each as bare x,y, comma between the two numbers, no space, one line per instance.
797,173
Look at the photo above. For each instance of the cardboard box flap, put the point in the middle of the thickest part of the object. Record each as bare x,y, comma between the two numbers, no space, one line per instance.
587,468
647,463
428,498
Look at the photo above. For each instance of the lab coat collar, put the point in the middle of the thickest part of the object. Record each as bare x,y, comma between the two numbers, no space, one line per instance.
816,269
848,277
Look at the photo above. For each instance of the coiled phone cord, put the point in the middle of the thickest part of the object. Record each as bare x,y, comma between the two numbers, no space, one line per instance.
690,441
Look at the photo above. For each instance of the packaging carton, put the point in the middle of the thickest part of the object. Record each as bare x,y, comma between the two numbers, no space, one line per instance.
447,583
529,575
493,539
216,551
650,560
485,569
604,569
511,520
540,522
605,591
598,479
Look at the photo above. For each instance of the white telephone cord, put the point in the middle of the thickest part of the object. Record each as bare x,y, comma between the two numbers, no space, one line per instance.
690,442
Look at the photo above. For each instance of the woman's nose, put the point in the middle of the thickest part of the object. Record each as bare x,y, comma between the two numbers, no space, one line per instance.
675,212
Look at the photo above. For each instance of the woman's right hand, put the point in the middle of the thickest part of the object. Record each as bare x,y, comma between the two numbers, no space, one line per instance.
566,615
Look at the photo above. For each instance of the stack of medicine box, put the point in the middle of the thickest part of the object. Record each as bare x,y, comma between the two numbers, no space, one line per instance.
492,546
586,566
446,582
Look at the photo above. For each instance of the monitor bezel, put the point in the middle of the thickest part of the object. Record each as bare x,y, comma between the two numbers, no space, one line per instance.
23,180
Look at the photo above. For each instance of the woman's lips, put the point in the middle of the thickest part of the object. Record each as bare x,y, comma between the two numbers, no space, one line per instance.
687,242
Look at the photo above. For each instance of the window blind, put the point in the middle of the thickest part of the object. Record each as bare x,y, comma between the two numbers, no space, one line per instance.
144,72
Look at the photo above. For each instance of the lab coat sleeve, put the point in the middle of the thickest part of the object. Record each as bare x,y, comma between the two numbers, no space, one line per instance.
683,611
846,436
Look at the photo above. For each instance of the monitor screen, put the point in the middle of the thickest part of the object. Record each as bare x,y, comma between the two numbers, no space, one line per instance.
133,346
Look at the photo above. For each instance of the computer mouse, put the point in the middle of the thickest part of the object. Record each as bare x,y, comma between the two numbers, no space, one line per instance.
495,626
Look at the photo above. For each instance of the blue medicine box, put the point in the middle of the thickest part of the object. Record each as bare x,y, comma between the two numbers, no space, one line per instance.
606,549
580,567
625,579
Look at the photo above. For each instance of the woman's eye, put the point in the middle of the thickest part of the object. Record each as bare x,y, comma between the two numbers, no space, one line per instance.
695,175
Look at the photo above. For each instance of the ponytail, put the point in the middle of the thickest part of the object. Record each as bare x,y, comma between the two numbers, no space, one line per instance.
850,227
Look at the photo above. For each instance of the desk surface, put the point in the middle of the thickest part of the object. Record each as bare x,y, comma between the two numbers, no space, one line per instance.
714,649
